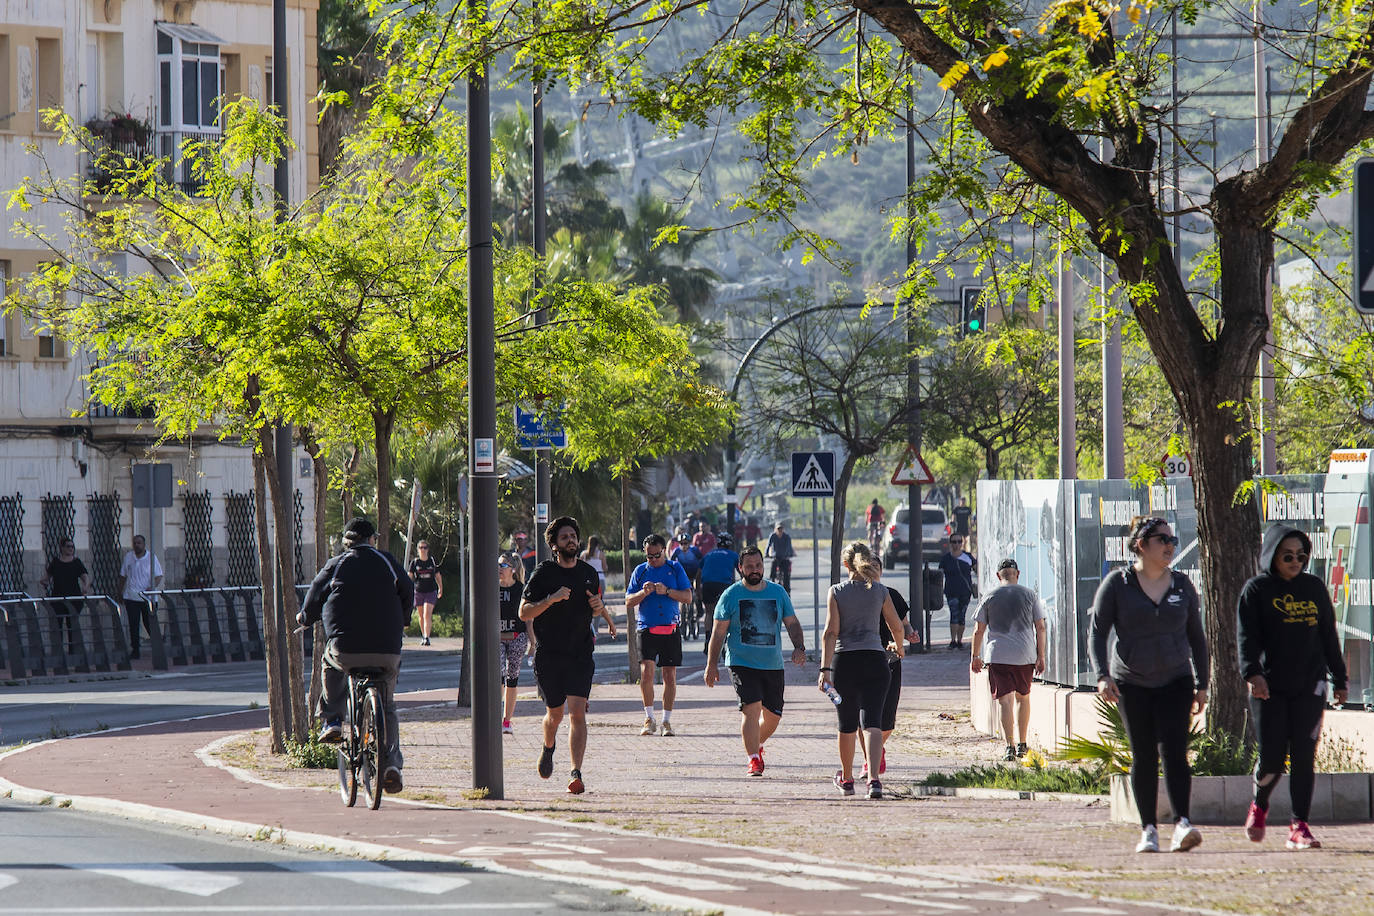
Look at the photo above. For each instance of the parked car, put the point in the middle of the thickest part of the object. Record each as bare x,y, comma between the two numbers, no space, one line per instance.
934,534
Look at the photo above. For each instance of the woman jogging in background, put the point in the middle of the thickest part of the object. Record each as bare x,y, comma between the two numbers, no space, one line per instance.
1287,643
515,633
595,557
854,660
429,588
1157,674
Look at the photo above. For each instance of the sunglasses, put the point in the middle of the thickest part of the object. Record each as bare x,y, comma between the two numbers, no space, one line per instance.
1171,540
654,556
1290,557
504,566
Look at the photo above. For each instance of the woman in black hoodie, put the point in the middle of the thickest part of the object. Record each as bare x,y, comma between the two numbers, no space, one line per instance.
1287,641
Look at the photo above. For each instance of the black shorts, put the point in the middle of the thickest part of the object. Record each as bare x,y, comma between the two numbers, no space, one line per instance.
561,676
710,594
758,685
861,677
894,692
663,650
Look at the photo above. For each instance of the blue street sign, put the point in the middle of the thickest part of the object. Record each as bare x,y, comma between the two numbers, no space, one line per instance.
533,430
1362,245
813,474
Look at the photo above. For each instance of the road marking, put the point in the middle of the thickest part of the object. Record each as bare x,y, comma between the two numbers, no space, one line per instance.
692,868
580,850
831,871
371,873
487,852
592,870
921,902
167,877
1094,911
7,880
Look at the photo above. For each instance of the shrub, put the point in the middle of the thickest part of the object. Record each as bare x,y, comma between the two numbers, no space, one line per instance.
311,754
1035,778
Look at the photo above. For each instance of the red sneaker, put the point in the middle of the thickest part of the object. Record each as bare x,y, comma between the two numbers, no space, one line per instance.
575,785
882,763
756,765
1299,837
1254,823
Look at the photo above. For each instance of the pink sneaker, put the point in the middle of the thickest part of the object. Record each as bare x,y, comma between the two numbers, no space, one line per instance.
1254,823
1299,837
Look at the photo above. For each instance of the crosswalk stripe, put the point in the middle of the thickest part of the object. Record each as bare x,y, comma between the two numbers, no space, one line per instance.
374,875
580,850
693,868
921,902
831,871
592,870
167,877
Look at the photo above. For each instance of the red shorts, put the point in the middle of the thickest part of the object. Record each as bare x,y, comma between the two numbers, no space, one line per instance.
1005,679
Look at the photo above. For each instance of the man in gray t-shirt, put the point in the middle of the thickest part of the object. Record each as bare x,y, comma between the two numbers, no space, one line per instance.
1013,623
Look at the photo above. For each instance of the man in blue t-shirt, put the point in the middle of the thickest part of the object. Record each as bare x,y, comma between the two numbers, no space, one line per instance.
655,588
717,573
749,618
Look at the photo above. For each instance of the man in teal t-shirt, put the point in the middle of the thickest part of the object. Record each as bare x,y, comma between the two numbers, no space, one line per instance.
749,619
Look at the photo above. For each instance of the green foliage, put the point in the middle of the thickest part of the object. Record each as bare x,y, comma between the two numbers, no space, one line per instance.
1110,750
311,754
1035,778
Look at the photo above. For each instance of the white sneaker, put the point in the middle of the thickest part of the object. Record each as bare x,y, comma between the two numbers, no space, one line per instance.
649,726
1149,840
1186,836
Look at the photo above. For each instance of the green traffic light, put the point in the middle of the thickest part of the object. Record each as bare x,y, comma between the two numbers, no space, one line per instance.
974,324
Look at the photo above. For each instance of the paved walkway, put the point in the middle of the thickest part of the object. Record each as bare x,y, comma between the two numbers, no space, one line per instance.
676,822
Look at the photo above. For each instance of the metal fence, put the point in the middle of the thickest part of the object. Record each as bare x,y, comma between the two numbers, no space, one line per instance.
209,624
62,635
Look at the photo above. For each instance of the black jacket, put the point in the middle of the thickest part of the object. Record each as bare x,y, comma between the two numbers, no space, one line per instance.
1154,643
364,598
1287,628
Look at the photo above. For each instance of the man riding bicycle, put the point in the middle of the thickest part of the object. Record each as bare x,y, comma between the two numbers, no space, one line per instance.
875,516
364,598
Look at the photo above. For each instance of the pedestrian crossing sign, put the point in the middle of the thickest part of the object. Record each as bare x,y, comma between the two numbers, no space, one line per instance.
813,474
912,470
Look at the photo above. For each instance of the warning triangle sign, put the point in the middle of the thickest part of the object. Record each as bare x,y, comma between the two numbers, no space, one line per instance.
912,469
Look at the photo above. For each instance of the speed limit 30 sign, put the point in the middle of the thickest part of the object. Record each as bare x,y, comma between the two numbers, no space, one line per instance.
1177,465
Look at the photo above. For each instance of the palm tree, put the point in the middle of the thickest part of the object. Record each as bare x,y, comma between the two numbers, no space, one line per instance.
648,262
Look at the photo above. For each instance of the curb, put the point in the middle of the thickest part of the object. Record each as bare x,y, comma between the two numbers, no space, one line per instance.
921,790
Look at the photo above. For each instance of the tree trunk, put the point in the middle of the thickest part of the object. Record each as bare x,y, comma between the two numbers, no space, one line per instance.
837,516
350,481
321,481
382,424
278,710
632,644
284,530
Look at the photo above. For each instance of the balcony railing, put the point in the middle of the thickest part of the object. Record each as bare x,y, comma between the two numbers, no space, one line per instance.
178,168
124,137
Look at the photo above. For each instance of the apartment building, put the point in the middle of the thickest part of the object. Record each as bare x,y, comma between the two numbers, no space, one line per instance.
144,74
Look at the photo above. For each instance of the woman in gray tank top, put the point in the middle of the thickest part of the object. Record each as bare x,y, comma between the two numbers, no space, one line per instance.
853,660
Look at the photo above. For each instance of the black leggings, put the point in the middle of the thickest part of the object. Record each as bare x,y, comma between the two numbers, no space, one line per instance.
1157,721
860,678
1287,727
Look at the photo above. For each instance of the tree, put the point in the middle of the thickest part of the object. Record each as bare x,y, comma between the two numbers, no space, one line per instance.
840,375
1035,95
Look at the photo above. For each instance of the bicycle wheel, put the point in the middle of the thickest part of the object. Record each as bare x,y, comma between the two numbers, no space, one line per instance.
348,752
373,741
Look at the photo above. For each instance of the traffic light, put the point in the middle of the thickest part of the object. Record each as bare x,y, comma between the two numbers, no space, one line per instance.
973,313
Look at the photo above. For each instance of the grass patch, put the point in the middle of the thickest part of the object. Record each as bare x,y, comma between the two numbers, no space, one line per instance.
1034,778
477,794
311,755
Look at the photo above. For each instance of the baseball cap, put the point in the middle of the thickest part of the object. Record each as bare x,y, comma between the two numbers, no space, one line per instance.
1008,563
359,529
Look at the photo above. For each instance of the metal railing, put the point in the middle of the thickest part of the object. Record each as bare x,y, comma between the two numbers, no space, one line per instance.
62,635
179,166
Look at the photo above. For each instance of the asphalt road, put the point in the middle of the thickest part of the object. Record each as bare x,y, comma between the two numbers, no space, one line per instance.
54,861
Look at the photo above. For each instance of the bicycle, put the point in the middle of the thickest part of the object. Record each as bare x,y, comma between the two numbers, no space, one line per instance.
781,573
362,752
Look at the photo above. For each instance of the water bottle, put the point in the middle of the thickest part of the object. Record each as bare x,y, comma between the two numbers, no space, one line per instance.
829,690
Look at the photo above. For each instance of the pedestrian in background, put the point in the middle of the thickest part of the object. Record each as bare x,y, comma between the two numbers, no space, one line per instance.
429,588
1013,621
717,572
1156,674
894,675
689,558
1287,644
516,639
854,660
961,586
65,577
595,557
780,548
140,572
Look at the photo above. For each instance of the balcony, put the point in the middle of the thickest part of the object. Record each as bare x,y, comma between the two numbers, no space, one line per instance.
122,136
177,167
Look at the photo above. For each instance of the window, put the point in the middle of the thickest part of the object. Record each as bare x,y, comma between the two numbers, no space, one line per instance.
48,73
51,346
190,79
6,86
